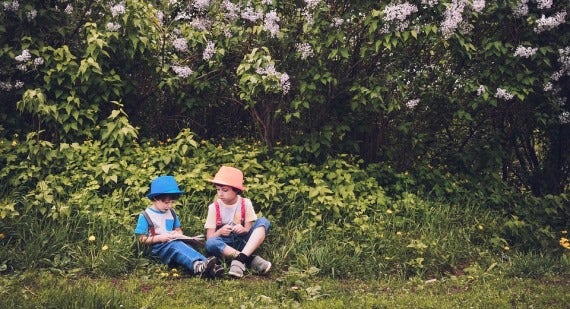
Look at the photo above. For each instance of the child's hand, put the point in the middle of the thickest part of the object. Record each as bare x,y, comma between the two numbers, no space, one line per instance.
225,230
238,229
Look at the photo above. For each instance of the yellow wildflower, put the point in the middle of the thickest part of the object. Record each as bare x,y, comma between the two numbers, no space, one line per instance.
389,211
2,236
91,238
506,248
14,143
105,248
399,233
480,227
163,274
564,242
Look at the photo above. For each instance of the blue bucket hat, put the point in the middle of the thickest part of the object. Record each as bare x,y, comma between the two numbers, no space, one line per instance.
163,185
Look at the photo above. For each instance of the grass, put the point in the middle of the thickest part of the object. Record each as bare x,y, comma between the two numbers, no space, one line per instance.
285,289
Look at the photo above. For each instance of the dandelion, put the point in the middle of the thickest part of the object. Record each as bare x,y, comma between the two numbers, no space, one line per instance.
503,94
506,248
91,238
14,143
398,233
2,236
564,242
164,275
480,227
105,248
175,275
389,211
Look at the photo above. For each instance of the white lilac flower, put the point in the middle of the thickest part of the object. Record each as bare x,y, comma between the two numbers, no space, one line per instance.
209,51
548,87
564,117
232,10
544,4
522,9
68,9
11,6
18,84
180,44
160,17
411,104
111,26
270,24
478,5
481,90
548,23
201,5
525,52
399,12
311,4
201,24
182,71
337,22
285,83
429,3
25,56
22,67
503,94
267,2
5,86
564,60
31,15
453,17
38,61
251,15
118,9
305,50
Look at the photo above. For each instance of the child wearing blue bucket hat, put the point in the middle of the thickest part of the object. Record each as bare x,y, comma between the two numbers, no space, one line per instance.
159,227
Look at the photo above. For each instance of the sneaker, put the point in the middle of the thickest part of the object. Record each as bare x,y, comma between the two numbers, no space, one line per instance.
260,265
204,267
217,271
236,269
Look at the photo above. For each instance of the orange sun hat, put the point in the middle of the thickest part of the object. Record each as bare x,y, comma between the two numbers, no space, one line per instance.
229,176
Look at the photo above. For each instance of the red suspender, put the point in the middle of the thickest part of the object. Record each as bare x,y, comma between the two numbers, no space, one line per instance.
219,217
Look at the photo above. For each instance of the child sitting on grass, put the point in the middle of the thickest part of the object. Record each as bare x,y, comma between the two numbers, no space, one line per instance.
232,227
160,229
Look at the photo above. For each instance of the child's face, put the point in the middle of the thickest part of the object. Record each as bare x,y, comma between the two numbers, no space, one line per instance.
227,194
164,203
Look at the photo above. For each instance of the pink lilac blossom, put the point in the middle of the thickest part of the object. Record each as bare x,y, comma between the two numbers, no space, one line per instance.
522,9
453,17
209,51
503,94
232,10
270,71
182,71
411,104
180,44
202,5
160,17
118,9
270,24
251,15
478,5
481,90
548,23
201,24
399,12
544,4
525,52
305,49
111,26
31,15
311,4
11,6
25,56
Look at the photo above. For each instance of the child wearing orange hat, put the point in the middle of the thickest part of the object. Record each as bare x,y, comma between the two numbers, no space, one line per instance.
233,229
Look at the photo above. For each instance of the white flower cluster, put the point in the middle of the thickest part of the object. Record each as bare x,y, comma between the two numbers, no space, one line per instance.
337,22
251,14
12,6
548,23
525,52
521,9
270,24
429,3
31,15
311,4
6,86
564,117
68,9
481,90
411,104
180,44
503,94
544,4
25,56
305,50
453,17
232,10
182,71
397,15
564,60
209,51
478,5
200,23
270,71
112,26
201,5
267,2
118,9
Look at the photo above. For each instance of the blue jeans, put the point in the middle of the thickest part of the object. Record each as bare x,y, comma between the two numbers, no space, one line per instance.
177,252
216,245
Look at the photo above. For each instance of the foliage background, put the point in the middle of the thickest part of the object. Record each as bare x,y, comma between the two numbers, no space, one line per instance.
424,137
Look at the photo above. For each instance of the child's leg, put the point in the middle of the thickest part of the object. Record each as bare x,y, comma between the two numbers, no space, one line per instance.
181,254
256,236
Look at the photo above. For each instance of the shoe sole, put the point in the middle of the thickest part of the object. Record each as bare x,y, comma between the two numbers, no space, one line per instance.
266,270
